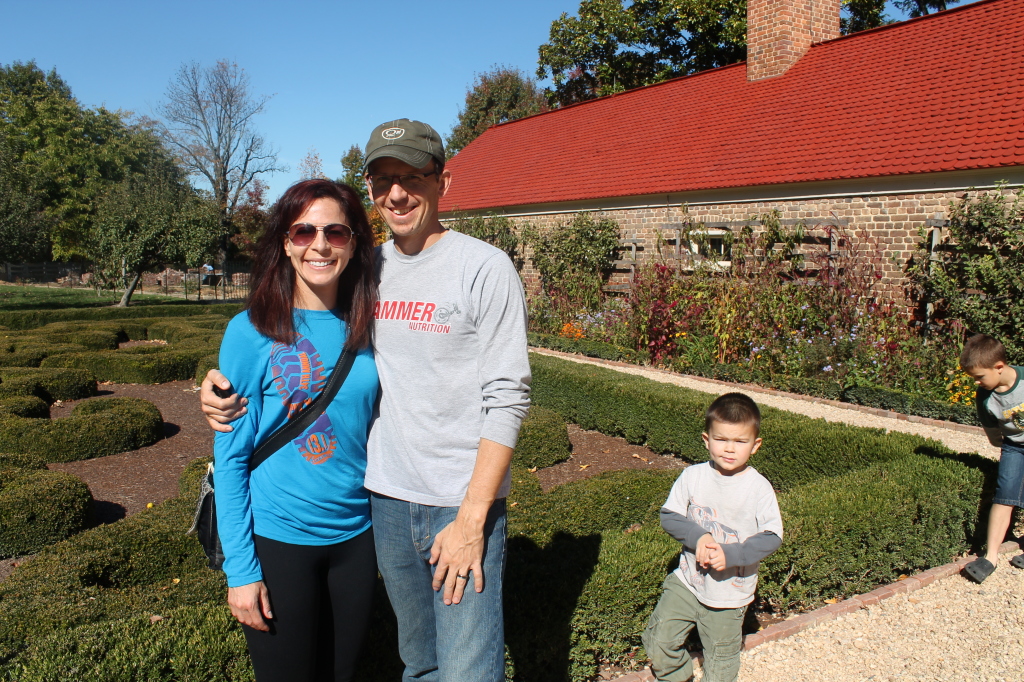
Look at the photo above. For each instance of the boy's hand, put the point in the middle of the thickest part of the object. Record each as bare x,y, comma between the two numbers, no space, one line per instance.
703,553
716,557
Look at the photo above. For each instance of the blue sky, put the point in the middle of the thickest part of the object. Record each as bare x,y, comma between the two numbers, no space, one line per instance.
335,69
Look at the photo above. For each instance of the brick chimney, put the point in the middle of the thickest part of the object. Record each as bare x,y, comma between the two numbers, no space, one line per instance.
779,32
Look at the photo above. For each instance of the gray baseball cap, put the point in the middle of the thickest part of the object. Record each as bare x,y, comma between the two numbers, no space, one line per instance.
413,142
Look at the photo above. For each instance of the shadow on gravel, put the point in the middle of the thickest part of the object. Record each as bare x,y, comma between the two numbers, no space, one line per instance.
105,511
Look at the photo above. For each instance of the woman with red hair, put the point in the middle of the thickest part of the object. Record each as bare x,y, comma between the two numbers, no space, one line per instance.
298,547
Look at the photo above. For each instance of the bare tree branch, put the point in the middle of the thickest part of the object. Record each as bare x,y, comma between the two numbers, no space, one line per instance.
209,124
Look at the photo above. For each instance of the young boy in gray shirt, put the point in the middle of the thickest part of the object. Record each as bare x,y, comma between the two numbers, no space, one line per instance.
1000,401
727,518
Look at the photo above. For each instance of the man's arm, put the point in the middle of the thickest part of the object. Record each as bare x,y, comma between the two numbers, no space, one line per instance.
499,311
459,548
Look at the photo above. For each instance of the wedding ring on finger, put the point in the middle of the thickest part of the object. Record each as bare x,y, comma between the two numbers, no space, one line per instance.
464,577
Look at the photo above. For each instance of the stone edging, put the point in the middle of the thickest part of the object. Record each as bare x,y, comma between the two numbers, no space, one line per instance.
754,388
807,620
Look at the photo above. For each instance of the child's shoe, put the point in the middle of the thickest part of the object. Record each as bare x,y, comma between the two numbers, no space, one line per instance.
979,569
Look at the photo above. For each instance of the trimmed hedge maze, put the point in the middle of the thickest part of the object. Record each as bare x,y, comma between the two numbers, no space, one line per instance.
586,559
93,344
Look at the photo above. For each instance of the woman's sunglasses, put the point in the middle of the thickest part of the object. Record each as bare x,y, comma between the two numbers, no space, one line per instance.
304,234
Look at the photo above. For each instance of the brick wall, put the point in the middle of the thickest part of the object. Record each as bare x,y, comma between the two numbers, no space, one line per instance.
779,32
889,222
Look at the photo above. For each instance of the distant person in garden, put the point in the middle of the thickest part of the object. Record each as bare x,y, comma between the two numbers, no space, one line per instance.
298,546
727,518
450,344
1000,402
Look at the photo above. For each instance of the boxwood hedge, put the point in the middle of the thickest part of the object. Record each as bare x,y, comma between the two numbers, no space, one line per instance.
543,439
39,507
32,319
593,349
585,563
669,419
870,396
96,427
48,384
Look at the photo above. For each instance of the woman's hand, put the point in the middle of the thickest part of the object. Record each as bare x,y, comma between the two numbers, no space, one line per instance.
220,411
250,604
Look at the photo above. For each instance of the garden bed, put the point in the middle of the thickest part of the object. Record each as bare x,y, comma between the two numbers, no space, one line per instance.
861,507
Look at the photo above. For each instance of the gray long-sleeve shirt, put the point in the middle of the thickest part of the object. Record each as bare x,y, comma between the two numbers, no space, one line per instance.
450,344
746,553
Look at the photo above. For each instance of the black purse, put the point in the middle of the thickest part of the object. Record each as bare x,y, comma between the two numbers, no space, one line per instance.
204,523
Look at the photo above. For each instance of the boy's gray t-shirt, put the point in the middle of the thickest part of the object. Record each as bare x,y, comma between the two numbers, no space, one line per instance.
450,345
1004,411
732,509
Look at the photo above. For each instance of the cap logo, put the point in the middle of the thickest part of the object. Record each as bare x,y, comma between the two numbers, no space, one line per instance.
392,133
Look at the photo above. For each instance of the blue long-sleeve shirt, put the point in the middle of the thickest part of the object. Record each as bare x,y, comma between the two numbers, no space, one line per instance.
311,493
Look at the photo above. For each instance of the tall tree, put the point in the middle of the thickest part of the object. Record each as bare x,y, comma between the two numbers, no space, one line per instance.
65,155
615,45
352,163
251,218
610,46
499,95
311,167
209,123
919,8
24,227
859,15
148,219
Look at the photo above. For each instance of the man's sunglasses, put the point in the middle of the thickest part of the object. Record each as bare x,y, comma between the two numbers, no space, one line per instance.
304,234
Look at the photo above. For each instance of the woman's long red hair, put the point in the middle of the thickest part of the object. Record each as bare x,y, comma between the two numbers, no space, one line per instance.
271,300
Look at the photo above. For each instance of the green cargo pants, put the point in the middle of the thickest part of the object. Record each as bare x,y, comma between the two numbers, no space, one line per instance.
720,630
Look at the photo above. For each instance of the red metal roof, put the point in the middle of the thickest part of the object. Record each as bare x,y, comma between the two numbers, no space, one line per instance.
939,93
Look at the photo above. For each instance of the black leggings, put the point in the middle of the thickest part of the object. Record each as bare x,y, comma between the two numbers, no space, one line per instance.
320,598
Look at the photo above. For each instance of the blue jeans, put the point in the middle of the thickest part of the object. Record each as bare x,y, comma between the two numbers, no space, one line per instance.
462,642
1010,484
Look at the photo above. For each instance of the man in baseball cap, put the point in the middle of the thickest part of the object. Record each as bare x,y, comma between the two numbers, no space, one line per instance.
454,389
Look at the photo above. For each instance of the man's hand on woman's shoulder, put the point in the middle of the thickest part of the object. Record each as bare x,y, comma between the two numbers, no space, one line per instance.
219,411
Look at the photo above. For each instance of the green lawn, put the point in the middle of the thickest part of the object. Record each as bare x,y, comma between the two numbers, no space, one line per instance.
31,297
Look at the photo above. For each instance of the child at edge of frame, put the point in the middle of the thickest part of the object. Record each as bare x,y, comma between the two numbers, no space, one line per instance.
1000,402
727,518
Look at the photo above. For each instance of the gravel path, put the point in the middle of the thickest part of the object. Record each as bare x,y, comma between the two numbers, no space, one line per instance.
949,630
956,440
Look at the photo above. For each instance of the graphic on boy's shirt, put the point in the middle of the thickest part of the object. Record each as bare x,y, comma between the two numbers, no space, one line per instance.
1015,415
723,535
299,377
298,373
318,443
705,516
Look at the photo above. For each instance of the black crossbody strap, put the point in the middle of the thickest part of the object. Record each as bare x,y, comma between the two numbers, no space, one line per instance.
307,416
